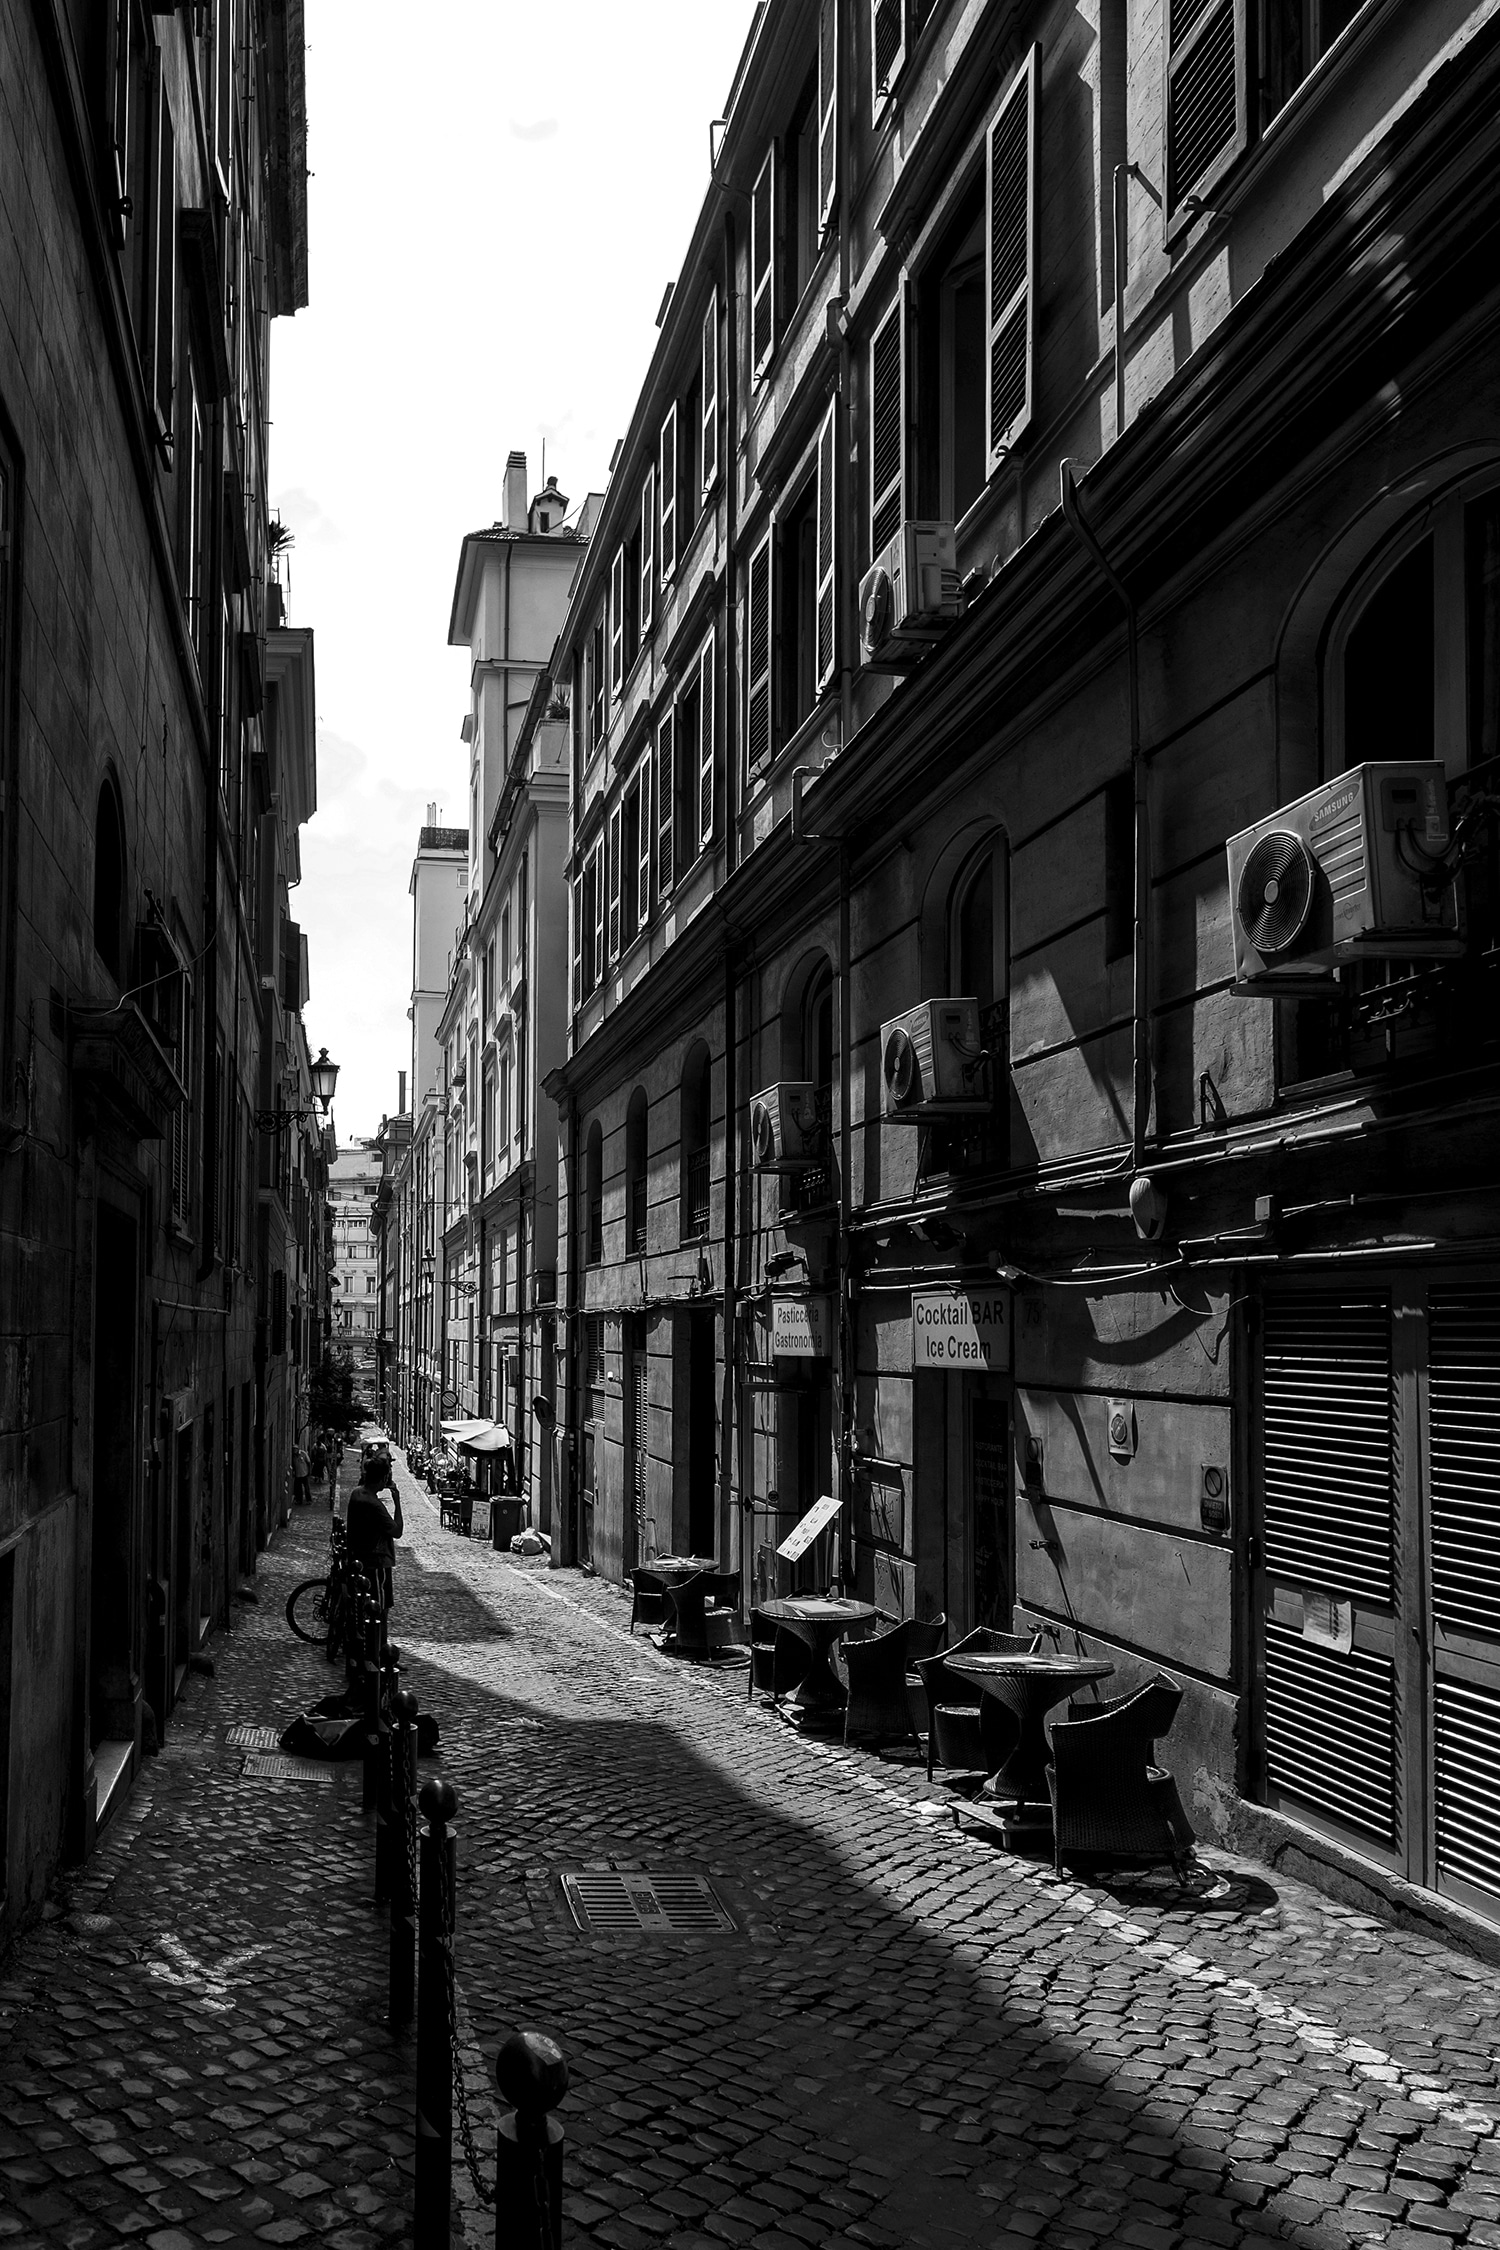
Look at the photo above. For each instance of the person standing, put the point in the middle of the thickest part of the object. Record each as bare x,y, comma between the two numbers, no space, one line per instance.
301,1495
372,1531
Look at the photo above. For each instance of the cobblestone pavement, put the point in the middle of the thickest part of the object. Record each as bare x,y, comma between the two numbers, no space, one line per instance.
909,2038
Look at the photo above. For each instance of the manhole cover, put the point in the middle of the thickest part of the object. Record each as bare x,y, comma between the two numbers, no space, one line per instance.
618,1905
253,1738
265,1765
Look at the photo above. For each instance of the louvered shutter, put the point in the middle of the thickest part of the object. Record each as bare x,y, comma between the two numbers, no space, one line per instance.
1329,1497
291,967
643,843
164,257
1207,101
763,265
598,902
887,428
577,941
827,537
666,801
758,654
1010,259
1463,1458
709,380
616,836
828,97
117,110
887,46
648,551
706,747
617,622
666,484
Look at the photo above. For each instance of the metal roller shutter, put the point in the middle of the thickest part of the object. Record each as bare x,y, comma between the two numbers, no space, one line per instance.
1464,1450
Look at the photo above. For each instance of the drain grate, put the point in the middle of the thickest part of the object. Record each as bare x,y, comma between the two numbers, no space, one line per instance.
253,1738
263,1765
620,1905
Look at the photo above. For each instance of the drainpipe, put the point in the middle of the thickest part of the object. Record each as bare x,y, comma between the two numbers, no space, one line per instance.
843,559
845,1359
572,1363
1140,1099
727,1413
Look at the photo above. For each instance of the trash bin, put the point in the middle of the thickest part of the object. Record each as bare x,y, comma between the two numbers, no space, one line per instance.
505,1520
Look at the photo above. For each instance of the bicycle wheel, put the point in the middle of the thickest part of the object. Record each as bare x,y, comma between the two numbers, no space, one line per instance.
307,1609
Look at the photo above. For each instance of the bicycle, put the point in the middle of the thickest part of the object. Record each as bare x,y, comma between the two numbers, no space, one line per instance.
320,1609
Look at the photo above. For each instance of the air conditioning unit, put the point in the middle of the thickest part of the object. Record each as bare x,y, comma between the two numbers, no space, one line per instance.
910,592
933,1063
1351,872
784,1127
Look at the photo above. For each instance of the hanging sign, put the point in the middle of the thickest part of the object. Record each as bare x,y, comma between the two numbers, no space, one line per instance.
799,1327
963,1329
801,1536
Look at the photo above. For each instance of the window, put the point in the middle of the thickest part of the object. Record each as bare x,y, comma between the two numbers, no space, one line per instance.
828,84
181,1186
194,531
593,1195
369,1285
800,196
499,1248
697,1114
162,372
635,853
708,393
487,1126
1295,35
666,493
978,968
487,983
887,428
646,554
1010,257
109,880
597,690
1206,107
949,350
505,1124
588,926
797,585
505,950
758,628
695,750
763,266
666,804
887,48
635,1173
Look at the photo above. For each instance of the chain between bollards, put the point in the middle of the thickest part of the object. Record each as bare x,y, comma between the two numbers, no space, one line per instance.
401,1845
434,2166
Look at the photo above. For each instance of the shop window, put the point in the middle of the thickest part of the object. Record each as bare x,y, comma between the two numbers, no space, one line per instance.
109,880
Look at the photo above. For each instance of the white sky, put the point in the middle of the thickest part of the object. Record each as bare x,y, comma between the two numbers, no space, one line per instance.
499,199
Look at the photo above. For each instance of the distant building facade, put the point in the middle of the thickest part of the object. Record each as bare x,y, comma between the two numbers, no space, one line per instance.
158,1265
937,1132
354,1177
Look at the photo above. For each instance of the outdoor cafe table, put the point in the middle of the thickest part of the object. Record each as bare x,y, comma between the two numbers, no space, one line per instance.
820,1620
1027,1687
673,1568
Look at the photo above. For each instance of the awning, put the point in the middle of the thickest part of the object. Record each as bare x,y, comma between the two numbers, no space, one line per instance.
468,1429
492,1440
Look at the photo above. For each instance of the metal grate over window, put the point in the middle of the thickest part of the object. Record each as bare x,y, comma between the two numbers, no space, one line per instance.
612,1904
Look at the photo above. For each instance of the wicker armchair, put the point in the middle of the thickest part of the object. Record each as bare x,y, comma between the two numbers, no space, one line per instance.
702,1611
1109,1799
648,1598
778,1658
953,1703
878,1710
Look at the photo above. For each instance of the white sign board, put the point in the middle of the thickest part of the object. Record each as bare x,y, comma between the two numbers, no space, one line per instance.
799,1327
961,1328
801,1536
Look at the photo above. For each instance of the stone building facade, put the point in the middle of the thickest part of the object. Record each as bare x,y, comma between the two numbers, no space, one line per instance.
1072,440
154,768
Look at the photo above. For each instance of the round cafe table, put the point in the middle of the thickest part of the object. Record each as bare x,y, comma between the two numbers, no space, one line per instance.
820,1620
1027,1687
673,1568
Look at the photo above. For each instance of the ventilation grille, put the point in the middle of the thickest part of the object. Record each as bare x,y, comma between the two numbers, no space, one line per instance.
1331,1731
253,1738
626,1905
262,1765
1468,1783
1328,1443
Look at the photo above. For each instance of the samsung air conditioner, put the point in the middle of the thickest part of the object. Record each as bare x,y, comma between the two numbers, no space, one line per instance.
909,593
784,1127
1353,871
932,1061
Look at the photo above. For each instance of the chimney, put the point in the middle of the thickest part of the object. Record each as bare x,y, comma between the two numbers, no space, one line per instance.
401,1096
432,819
514,517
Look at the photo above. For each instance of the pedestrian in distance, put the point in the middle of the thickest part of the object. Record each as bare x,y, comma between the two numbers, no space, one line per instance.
318,1458
373,1531
300,1467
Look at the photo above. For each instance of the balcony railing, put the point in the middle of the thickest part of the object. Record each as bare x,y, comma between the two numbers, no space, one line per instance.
695,1199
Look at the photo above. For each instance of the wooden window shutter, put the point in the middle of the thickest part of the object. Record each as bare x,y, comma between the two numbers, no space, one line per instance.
666,482
598,929
763,265
164,262
710,393
643,843
648,551
828,105
291,967
666,802
577,941
616,830
1010,260
887,427
1207,101
706,747
117,112
617,622
758,654
827,534
887,47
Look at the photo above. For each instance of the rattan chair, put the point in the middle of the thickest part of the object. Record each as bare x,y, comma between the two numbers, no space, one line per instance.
878,1709
1110,1800
648,1598
954,1738
702,1612
778,1658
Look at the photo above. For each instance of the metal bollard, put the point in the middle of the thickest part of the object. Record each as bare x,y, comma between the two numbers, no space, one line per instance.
531,2072
370,1682
403,1749
434,2175
389,1683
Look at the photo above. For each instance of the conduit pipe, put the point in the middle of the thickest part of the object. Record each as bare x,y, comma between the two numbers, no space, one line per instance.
1140,1009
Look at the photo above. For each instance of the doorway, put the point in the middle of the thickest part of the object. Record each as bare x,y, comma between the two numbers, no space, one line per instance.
111,1685
978,1526
183,1605
703,1427
637,1395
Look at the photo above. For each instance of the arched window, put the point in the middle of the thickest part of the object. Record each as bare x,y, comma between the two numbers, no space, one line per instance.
817,1031
109,881
977,963
593,1195
697,1114
635,1173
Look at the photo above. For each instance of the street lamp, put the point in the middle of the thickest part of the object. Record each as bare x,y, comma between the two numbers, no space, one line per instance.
324,1075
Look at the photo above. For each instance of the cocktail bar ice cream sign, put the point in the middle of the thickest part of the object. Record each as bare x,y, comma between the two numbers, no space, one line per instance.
961,1329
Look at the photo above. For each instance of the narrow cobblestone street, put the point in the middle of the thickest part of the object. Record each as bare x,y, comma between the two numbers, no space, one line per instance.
908,2039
